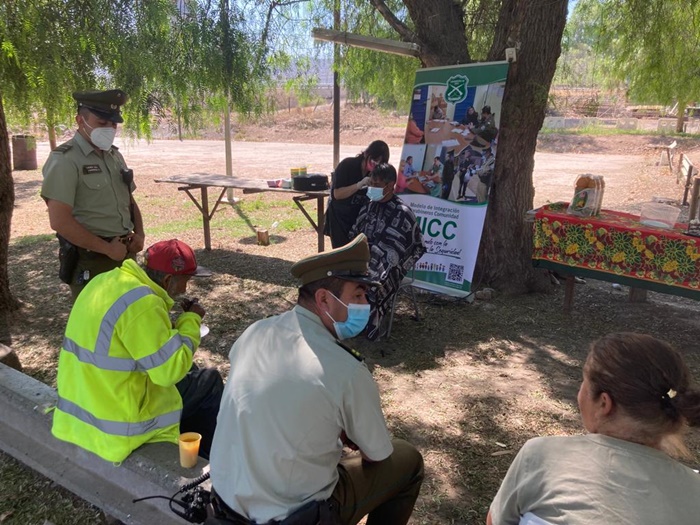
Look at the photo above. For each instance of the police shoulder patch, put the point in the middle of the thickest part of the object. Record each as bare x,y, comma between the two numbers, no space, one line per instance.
357,355
63,147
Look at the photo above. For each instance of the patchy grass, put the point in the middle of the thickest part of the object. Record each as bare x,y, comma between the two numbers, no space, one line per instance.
468,383
27,498
607,131
30,240
240,220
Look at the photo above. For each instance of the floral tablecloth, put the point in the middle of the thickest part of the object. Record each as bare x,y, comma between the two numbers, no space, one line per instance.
616,245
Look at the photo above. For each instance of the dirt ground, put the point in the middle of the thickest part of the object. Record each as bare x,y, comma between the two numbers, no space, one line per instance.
467,383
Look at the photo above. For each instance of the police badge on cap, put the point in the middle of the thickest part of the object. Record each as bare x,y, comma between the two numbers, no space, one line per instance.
349,262
104,104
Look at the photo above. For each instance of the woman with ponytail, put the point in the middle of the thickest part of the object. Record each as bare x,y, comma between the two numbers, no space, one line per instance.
636,402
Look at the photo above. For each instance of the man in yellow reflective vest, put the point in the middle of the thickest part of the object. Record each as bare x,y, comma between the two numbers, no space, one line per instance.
125,371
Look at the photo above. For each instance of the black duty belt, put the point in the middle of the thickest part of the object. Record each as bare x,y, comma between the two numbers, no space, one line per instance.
221,510
312,513
120,237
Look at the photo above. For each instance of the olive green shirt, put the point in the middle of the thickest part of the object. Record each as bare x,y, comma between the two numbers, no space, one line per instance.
91,184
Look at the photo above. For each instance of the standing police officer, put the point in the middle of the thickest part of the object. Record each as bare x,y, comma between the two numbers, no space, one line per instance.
88,190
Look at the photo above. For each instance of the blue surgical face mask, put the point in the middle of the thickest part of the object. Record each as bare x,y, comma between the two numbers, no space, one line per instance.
375,194
358,317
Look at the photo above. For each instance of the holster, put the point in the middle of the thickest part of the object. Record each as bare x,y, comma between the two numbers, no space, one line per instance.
68,259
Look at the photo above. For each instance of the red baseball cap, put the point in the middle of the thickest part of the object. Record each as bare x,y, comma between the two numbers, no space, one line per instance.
175,258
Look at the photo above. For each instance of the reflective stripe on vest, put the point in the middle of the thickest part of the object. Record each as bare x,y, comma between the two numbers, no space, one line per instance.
101,358
117,428
109,321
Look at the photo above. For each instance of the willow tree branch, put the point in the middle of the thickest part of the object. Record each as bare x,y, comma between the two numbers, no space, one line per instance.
402,29
268,18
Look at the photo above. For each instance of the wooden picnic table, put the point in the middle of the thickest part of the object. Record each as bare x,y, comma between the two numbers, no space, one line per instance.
204,181
439,131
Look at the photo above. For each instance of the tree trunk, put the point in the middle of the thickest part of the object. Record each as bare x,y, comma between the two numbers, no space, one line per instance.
680,119
439,26
536,28
51,128
52,137
7,201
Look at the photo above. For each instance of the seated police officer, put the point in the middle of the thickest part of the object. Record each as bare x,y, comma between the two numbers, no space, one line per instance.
294,395
88,191
125,372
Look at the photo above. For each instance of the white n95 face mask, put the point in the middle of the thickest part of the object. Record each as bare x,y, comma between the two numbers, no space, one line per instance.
103,138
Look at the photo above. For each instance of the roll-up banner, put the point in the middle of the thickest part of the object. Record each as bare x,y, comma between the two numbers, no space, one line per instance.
446,167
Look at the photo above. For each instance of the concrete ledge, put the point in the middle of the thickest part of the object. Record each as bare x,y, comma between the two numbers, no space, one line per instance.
25,433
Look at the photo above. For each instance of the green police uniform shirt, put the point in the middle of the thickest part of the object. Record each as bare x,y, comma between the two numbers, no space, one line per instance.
91,184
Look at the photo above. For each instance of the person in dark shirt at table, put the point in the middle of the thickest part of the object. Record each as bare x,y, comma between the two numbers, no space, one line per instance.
448,174
471,118
348,192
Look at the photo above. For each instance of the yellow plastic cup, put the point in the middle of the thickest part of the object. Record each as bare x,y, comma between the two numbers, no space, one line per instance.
189,448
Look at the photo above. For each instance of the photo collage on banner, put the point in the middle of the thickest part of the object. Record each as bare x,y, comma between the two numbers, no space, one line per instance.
447,164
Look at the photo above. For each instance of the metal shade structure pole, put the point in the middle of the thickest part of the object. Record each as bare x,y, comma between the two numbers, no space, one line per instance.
385,45
336,89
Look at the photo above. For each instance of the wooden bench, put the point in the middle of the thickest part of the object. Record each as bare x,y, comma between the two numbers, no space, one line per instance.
686,170
667,153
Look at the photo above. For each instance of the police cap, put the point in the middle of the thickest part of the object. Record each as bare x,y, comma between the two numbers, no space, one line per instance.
104,104
349,262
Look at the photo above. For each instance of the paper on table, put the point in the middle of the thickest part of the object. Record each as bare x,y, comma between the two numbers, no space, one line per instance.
434,130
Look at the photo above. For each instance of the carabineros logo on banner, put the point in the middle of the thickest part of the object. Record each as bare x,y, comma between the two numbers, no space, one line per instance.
456,88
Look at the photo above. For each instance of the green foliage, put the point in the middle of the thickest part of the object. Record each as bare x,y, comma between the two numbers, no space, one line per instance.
40,57
368,76
385,79
167,60
651,46
305,83
480,18
371,74
580,64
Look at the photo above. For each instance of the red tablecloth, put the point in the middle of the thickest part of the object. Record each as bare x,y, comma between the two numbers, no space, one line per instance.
616,244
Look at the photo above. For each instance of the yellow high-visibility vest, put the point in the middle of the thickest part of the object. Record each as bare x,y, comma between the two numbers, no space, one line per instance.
120,360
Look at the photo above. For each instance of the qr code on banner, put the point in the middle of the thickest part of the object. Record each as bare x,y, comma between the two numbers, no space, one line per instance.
455,273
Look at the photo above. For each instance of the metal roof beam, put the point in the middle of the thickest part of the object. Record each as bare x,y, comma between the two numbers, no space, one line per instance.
385,45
